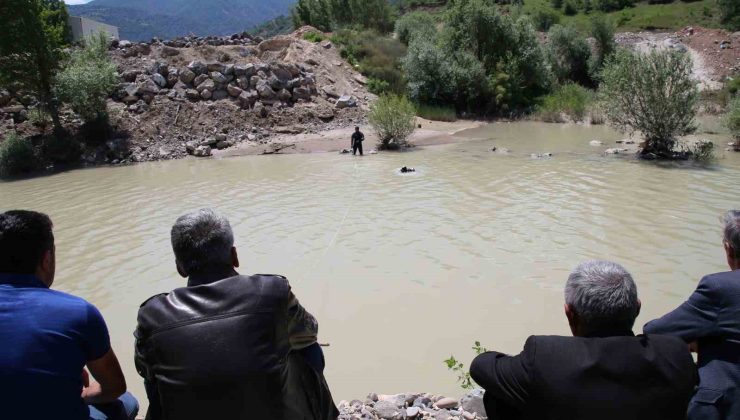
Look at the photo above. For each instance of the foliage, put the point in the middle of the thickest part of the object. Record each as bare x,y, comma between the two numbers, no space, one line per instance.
570,99
281,25
544,18
34,32
88,78
16,156
703,151
733,85
39,118
651,93
602,30
436,113
732,119
415,24
392,117
330,14
463,376
378,86
730,14
313,36
570,8
569,55
376,56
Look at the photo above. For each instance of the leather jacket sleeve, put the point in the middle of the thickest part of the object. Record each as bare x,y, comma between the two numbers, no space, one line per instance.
302,326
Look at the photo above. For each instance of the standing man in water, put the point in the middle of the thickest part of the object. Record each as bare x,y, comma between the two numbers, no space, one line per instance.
228,346
357,139
710,320
47,338
603,372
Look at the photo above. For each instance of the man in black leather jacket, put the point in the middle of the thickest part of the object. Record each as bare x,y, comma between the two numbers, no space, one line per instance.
228,346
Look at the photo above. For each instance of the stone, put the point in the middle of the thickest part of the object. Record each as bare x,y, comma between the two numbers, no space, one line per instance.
261,110
281,73
284,95
326,44
412,412
173,77
192,94
234,91
265,91
331,92
275,83
254,81
247,70
228,69
206,94
422,402
301,93
197,67
187,75
130,75
596,143
169,51
124,43
159,80
206,85
200,79
202,151
216,67
148,85
346,101
246,99
325,114
224,144
387,410
446,403
219,77
472,402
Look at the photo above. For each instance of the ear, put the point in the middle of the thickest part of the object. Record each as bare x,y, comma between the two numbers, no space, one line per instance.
572,316
47,268
180,269
234,257
639,306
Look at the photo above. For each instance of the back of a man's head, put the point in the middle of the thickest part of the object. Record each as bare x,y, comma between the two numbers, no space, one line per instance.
202,241
25,237
603,297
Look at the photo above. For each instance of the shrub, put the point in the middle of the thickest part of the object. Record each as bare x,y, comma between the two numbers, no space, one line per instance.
39,118
556,4
312,36
570,8
437,113
602,30
377,86
651,93
415,24
544,18
88,78
732,120
570,55
376,56
703,151
733,85
611,5
730,14
392,118
16,156
570,99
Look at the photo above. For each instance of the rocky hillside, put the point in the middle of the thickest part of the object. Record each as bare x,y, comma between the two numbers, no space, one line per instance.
190,95
144,19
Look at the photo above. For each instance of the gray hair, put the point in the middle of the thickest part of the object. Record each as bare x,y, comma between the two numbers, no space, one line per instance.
603,295
732,230
202,240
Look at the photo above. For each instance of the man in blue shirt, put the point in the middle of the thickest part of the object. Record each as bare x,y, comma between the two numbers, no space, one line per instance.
47,338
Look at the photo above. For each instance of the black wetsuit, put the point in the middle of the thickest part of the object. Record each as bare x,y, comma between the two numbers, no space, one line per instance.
357,139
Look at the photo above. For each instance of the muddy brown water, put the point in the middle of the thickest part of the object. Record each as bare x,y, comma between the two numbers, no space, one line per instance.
401,270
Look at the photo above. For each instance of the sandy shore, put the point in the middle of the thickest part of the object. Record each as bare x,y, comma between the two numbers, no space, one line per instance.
430,133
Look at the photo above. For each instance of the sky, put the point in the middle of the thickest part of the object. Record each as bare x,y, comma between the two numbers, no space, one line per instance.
77,1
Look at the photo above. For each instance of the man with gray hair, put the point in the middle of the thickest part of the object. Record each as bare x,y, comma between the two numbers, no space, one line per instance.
710,321
603,372
228,346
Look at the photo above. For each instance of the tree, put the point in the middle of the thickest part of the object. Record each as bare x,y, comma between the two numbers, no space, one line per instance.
415,24
392,118
16,156
569,55
329,14
602,30
651,93
730,14
88,78
31,47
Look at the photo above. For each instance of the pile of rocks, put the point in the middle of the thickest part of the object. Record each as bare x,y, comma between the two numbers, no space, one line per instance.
131,49
254,86
414,406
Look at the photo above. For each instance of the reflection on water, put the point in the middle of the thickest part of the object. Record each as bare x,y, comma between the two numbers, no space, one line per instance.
401,271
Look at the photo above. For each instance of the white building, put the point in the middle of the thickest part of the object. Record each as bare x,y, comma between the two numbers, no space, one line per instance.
84,28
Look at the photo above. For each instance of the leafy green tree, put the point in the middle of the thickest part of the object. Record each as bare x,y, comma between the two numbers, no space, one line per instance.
730,14
34,33
392,118
329,14
415,24
602,30
88,78
16,156
654,94
570,55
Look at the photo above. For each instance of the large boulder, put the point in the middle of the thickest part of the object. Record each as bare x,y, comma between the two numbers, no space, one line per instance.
187,75
265,91
169,51
247,99
284,95
130,75
173,77
206,94
159,80
219,77
200,79
275,44
147,85
192,94
281,73
243,82
206,85
346,101
216,67
472,402
202,151
234,91
275,82
247,70
301,93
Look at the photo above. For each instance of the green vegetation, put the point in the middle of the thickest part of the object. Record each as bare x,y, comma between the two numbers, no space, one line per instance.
730,14
602,30
653,94
87,79
415,24
34,33
16,156
281,25
313,36
732,120
463,376
392,117
703,151
436,113
570,99
39,118
376,56
544,18
327,15
570,55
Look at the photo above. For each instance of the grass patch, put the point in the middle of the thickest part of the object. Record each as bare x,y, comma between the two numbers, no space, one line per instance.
436,113
571,100
313,36
375,56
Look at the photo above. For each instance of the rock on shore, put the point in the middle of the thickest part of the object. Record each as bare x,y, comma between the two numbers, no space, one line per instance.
414,406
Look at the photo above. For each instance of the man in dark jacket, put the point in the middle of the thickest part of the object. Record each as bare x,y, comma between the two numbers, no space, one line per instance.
228,346
710,319
357,139
604,372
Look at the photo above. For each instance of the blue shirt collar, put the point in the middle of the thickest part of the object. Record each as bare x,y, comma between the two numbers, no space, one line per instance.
23,280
